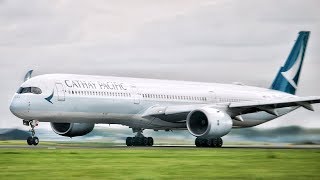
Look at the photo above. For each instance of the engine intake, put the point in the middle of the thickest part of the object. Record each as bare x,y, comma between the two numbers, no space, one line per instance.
209,122
72,129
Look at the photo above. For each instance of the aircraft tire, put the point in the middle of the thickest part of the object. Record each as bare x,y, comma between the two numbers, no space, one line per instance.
150,141
220,142
35,141
129,141
214,142
197,142
211,142
29,141
139,141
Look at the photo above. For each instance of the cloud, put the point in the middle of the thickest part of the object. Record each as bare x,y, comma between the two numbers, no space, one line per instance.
234,24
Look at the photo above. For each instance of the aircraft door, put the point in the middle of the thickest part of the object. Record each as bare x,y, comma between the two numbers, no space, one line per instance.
135,95
60,91
212,97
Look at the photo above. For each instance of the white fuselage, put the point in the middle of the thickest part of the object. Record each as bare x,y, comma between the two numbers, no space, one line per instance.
122,100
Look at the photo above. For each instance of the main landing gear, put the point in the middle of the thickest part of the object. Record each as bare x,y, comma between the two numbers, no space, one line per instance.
139,139
32,140
208,142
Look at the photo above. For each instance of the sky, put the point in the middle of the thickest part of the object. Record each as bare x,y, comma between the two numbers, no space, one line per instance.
221,41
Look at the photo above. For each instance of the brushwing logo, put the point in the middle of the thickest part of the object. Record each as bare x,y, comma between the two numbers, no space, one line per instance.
49,98
292,72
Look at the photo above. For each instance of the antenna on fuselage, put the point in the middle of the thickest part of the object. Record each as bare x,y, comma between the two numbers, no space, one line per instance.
28,75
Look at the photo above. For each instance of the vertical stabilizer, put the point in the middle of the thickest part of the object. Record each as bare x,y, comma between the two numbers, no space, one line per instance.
288,76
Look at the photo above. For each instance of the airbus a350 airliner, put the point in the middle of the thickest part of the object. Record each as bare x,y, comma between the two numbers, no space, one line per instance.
73,104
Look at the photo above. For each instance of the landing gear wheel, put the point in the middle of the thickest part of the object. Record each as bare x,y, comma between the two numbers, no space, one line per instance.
205,142
29,141
35,141
219,142
198,142
145,141
129,141
150,141
210,142
134,141
139,141
214,142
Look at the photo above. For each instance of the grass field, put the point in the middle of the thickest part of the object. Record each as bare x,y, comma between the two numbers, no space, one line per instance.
159,163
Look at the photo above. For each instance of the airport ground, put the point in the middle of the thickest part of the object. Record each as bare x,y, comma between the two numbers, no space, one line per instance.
52,160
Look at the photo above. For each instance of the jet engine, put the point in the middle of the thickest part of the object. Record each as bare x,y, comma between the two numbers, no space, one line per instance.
209,122
72,129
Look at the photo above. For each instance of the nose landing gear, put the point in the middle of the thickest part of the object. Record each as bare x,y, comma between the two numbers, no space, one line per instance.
32,140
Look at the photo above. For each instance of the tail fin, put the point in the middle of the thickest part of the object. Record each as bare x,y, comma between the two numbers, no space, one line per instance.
288,76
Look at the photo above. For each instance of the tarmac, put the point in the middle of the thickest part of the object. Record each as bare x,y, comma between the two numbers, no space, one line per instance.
70,146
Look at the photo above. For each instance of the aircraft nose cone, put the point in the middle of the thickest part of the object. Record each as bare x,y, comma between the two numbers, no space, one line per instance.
18,107
14,107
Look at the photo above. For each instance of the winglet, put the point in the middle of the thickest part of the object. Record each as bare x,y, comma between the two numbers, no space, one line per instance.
28,75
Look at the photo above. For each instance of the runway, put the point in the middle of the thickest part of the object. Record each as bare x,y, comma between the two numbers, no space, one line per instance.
70,146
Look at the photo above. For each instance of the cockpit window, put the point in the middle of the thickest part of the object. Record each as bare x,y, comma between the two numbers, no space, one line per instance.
36,90
33,90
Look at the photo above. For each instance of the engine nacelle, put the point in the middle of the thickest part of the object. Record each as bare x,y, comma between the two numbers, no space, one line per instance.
72,129
209,122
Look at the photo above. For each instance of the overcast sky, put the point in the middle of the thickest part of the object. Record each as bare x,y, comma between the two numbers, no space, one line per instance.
211,41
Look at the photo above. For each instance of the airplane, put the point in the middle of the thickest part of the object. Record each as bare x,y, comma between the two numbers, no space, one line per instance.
73,104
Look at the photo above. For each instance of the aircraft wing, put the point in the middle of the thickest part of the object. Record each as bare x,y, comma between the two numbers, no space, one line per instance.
271,105
234,108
